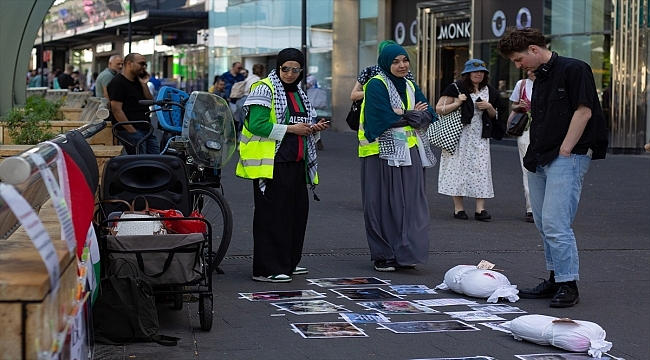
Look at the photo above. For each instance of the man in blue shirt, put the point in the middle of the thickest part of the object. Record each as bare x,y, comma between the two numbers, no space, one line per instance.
231,77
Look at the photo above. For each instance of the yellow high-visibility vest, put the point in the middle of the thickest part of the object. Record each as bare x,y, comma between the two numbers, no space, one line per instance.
257,153
367,148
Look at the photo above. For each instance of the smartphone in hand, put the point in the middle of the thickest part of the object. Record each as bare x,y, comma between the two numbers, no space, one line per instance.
144,75
323,123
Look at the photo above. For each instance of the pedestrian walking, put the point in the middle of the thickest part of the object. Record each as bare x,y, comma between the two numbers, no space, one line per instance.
567,132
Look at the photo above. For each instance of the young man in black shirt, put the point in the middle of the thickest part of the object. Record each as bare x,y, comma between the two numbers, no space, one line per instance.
65,79
566,133
124,91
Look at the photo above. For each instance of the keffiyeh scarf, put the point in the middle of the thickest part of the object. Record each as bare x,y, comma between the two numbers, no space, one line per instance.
393,143
263,96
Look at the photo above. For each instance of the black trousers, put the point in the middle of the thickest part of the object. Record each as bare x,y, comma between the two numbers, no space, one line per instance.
280,220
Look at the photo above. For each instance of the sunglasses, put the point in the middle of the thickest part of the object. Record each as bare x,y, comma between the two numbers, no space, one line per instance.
143,63
292,69
478,64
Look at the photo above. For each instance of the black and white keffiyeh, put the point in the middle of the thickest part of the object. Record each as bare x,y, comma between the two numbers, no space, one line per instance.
393,143
263,96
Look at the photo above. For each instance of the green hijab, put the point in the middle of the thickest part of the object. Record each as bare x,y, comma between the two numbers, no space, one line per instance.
386,57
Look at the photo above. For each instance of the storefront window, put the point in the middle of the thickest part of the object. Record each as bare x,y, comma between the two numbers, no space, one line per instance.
368,15
255,31
578,16
594,50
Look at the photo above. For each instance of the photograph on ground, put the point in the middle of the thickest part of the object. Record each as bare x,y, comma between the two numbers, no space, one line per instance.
567,356
309,307
473,316
369,318
281,295
412,289
462,358
366,294
497,325
497,308
348,281
411,327
445,302
327,330
397,307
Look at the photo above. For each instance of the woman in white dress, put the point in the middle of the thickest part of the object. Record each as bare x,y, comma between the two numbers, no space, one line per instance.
520,98
468,171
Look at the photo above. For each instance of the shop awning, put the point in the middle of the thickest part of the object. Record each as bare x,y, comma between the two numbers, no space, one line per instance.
144,24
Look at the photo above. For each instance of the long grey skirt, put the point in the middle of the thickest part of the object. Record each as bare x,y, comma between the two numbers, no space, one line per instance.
395,210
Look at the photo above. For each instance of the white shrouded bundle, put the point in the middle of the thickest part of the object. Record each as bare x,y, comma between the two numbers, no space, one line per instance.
480,283
572,335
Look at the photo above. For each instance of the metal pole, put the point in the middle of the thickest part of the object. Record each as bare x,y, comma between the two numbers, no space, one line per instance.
304,40
40,61
130,12
17,169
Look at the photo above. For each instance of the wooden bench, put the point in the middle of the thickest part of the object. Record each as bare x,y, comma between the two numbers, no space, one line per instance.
36,91
74,104
104,137
55,94
29,313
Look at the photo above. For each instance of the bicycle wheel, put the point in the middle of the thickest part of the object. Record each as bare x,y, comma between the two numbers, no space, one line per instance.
214,207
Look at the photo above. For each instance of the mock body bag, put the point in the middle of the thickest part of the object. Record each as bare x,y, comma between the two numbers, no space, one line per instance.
567,334
480,283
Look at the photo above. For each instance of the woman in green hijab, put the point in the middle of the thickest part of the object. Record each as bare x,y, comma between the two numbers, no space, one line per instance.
394,116
370,71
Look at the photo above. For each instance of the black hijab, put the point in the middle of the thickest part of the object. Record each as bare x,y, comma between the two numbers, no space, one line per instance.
290,54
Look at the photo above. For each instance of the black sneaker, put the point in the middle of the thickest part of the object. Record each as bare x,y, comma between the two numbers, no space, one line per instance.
482,216
546,289
381,265
461,215
566,297
529,217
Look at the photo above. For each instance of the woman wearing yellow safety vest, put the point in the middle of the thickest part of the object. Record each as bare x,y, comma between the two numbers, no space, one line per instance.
394,154
277,151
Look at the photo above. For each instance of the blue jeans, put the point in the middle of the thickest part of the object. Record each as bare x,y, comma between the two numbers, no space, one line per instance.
149,146
554,196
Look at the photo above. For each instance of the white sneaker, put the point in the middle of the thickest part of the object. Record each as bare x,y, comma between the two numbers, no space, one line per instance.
300,271
273,278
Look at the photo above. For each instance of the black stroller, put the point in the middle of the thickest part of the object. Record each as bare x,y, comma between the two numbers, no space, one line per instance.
173,263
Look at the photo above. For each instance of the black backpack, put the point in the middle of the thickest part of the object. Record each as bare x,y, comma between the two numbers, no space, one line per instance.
354,116
125,311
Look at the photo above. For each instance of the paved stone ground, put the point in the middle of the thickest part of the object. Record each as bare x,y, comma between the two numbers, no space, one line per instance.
612,228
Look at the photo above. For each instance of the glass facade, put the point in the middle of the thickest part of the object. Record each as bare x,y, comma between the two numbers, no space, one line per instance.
368,20
581,29
255,31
